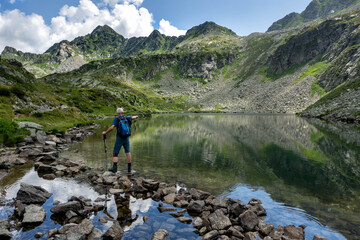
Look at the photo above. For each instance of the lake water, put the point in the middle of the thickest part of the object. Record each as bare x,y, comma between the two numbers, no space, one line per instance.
304,171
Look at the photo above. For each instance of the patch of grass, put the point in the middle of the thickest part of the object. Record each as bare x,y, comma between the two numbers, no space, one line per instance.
18,91
10,133
315,88
313,70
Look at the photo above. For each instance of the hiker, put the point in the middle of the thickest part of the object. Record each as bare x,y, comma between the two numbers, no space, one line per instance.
123,125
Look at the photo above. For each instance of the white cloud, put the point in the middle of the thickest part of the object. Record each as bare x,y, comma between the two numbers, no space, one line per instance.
25,32
30,33
126,2
12,1
169,30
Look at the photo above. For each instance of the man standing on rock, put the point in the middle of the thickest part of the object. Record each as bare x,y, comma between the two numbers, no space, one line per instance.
121,122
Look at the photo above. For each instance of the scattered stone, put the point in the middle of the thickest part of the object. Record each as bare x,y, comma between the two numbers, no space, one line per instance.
249,220
160,234
29,194
56,202
266,230
166,209
196,206
170,198
80,231
114,232
198,223
64,207
211,235
95,234
51,233
293,232
219,221
185,220
319,237
34,214
146,218
39,234
4,229
150,184
50,176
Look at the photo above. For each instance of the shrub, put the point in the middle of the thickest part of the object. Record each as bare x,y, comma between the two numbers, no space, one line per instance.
18,91
4,92
10,133
38,114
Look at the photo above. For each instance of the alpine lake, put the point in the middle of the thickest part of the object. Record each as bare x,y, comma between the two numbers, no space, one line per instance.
304,171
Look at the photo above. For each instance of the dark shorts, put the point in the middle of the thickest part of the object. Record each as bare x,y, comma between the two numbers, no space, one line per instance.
121,142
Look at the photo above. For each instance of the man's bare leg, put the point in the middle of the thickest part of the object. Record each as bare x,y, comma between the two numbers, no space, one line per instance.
128,157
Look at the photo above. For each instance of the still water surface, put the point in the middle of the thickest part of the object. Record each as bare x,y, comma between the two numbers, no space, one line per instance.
304,171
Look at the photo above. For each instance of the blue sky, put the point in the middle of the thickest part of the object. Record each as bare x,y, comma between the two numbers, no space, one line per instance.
53,20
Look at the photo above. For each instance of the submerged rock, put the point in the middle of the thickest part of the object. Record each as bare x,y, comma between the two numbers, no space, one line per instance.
29,194
160,234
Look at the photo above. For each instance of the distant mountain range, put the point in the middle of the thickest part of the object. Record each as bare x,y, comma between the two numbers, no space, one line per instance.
312,68
316,10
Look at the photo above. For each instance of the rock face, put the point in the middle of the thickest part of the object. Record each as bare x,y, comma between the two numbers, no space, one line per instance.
29,194
34,214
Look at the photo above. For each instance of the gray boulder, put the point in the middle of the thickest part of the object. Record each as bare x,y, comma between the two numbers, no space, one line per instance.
196,206
34,214
249,220
80,231
170,198
219,221
95,234
62,208
115,232
295,233
198,223
160,234
198,194
4,229
29,194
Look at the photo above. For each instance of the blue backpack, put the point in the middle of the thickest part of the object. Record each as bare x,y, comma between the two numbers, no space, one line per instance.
123,129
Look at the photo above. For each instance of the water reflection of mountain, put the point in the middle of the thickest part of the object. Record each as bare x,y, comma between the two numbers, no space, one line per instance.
273,148
312,165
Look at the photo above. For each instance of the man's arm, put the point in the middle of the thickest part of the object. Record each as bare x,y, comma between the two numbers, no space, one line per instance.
109,130
135,117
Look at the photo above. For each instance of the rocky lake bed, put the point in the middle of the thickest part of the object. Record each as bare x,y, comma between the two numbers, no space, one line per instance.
190,213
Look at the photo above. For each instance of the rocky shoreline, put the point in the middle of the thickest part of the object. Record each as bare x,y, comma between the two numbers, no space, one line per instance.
211,217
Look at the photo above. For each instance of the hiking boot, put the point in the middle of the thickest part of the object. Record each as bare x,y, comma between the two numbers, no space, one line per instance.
113,169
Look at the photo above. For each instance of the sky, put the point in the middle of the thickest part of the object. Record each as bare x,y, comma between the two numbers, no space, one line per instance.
35,25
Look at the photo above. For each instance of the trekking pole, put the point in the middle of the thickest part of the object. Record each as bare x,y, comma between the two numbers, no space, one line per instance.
104,136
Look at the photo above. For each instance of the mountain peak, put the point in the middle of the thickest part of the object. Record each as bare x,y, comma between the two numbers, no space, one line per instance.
317,9
209,28
103,29
9,50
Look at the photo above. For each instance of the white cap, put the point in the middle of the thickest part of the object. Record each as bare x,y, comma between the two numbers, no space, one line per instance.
119,111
